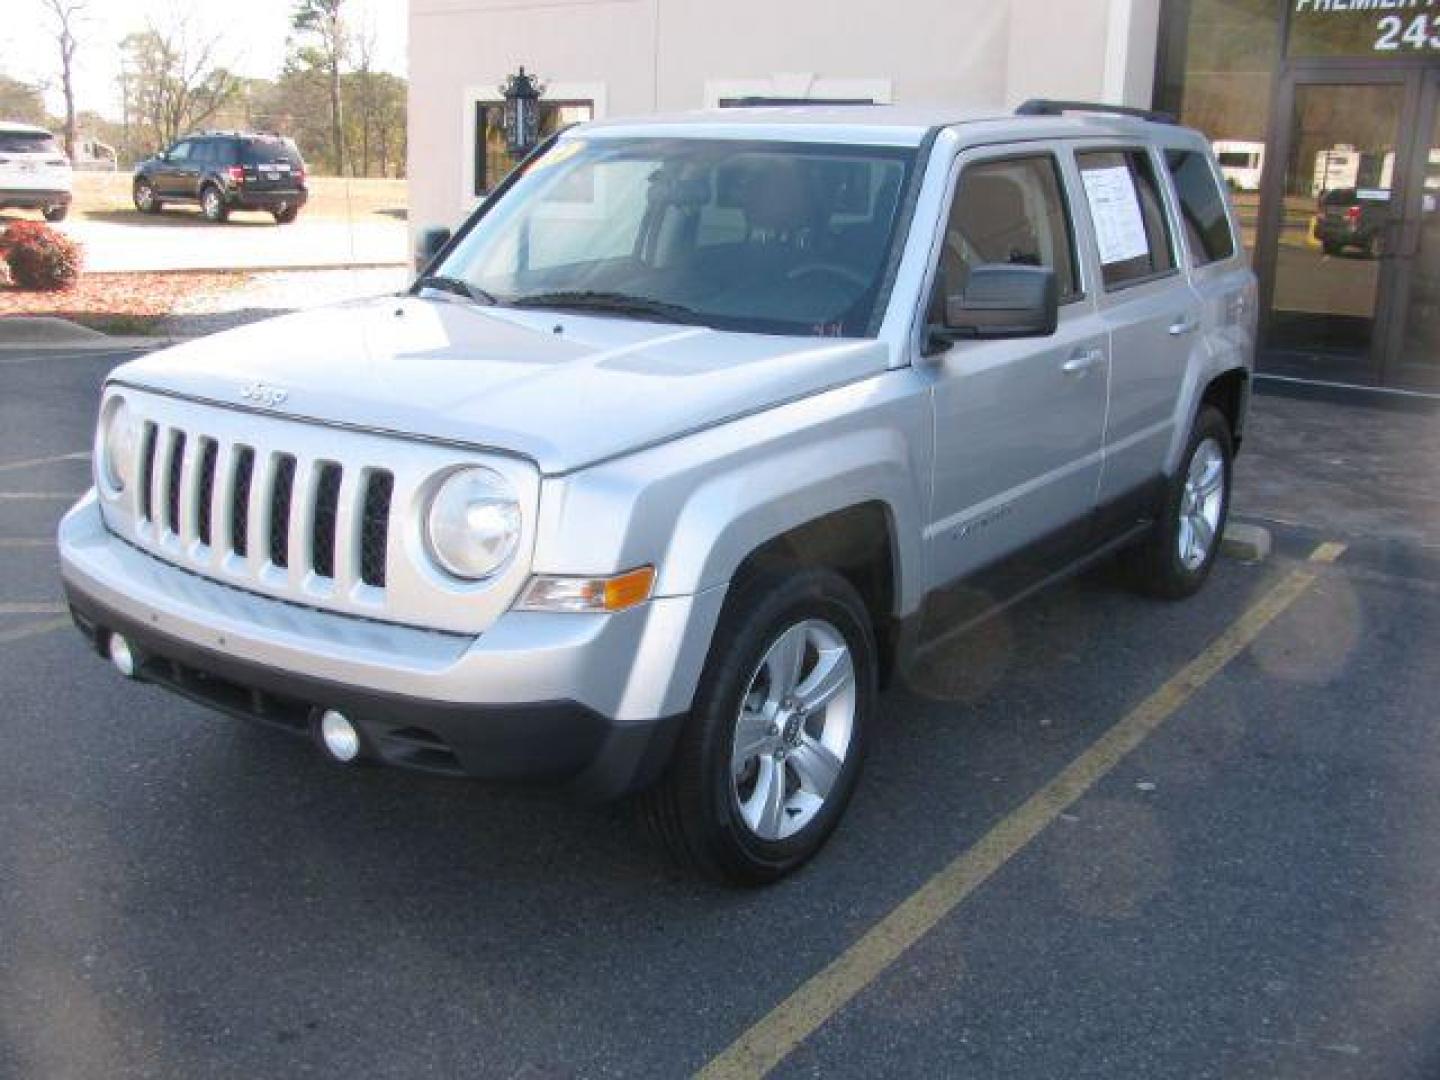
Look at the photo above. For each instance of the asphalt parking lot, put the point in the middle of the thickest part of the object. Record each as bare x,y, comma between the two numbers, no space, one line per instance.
1102,837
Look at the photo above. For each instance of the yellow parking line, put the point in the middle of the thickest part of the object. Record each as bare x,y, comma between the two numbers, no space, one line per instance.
780,1031
20,633
32,463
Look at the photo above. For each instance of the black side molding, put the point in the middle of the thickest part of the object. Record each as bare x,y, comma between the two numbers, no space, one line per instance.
1050,107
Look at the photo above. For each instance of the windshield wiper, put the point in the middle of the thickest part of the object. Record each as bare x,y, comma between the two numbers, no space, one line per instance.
458,286
612,303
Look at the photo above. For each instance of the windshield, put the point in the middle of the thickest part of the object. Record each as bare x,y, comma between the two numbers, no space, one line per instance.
27,142
760,236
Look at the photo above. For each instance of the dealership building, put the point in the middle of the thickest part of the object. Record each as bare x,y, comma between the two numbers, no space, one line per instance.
1325,115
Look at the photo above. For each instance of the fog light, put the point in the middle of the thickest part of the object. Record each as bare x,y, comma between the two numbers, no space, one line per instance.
121,655
339,737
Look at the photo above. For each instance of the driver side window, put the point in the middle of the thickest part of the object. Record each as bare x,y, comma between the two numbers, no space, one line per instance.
180,152
1009,211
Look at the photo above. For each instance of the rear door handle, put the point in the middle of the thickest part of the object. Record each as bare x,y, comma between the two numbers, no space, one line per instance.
1183,325
1082,360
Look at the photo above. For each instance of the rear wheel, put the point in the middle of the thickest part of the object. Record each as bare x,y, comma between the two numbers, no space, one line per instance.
144,197
773,747
285,213
212,204
1174,561
55,213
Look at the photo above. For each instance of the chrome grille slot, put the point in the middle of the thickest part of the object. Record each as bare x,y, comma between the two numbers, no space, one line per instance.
282,490
375,528
209,454
240,500
174,464
147,472
327,501
323,517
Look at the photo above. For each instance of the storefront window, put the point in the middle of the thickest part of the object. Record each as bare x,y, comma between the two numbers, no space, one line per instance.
1218,61
492,160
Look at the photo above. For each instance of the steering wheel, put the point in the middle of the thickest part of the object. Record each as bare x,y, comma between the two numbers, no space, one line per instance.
854,277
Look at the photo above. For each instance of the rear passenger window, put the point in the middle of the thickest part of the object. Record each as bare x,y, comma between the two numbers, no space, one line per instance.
1010,211
1131,231
1202,207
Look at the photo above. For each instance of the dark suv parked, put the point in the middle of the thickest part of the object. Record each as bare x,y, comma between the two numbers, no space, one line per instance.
1353,218
225,171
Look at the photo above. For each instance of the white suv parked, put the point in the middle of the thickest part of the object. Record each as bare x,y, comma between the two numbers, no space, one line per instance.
699,430
34,171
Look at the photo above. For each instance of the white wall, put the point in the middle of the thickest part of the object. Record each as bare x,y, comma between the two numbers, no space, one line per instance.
639,56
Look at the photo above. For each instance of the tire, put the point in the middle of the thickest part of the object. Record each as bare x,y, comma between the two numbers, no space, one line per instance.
143,195
55,213
212,204
710,810
1173,562
287,215
1331,248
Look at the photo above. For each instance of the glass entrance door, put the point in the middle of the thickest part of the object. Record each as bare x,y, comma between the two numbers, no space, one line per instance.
1415,355
1349,232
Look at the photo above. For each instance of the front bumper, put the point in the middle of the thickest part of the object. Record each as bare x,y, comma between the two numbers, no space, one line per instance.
33,198
591,701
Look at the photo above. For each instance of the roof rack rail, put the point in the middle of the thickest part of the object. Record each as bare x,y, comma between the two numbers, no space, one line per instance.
756,101
1048,107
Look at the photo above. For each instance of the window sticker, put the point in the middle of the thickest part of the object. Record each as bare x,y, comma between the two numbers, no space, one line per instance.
1115,210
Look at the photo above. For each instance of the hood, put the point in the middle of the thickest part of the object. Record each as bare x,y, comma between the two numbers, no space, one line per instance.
562,389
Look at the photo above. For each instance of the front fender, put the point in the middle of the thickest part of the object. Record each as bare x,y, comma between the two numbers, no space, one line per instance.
697,507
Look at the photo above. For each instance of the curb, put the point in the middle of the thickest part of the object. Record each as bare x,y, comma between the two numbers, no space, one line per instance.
47,333
298,268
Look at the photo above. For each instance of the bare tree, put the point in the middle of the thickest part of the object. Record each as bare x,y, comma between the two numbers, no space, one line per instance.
322,23
66,16
176,81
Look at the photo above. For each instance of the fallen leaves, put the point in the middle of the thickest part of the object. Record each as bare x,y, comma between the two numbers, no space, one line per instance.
133,299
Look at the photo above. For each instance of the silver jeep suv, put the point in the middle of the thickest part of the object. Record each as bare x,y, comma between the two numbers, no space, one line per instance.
696,433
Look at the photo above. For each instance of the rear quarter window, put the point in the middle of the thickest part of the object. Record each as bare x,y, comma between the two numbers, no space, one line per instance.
1131,231
1202,207
269,152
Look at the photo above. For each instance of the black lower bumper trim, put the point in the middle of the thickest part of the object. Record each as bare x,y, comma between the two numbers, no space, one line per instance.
556,742
34,200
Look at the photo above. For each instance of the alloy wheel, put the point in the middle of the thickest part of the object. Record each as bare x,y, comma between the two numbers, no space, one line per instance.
794,730
1202,501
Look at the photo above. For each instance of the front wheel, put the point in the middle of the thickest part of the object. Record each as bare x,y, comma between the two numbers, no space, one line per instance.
55,213
773,747
145,199
212,204
1176,558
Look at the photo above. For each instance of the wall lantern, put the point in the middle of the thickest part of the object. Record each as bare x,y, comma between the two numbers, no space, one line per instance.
522,112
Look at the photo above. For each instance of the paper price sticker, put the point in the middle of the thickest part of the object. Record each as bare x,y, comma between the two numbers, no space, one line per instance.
1115,210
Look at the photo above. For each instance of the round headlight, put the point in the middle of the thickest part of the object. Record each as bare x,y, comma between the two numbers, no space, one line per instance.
117,445
473,525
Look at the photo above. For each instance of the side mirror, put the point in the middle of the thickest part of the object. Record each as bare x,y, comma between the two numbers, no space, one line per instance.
1002,300
428,245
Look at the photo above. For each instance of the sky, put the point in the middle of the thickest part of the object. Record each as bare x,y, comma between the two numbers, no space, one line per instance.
253,35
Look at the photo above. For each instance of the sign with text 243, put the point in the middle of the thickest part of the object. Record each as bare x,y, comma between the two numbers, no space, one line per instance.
1379,28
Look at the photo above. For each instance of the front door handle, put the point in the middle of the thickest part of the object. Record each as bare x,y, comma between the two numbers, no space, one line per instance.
1082,360
1183,325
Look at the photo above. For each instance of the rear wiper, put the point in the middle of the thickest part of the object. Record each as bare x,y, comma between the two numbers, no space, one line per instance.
612,302
456,285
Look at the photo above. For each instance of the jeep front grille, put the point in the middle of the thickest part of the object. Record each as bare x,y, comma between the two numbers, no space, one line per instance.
323,516
224,501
